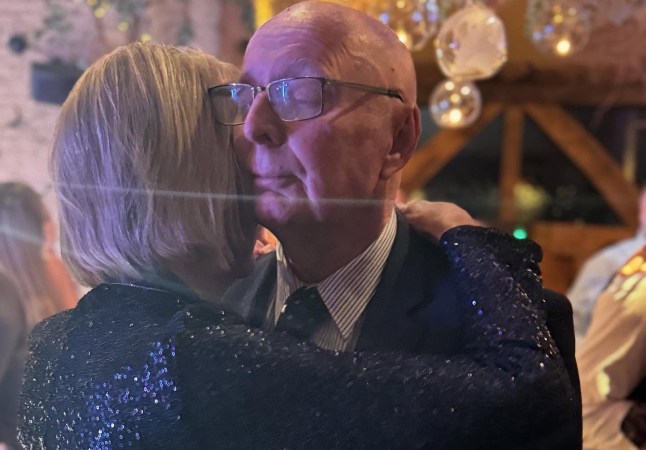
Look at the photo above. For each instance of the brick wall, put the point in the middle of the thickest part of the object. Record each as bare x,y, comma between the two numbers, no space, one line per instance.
26,126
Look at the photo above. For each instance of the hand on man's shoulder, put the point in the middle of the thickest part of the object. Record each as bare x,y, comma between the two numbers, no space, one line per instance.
435,218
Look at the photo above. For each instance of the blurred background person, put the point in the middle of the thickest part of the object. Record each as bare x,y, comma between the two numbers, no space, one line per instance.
33,285
612,363
598,270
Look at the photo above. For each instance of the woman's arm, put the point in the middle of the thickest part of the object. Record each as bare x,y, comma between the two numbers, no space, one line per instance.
508,389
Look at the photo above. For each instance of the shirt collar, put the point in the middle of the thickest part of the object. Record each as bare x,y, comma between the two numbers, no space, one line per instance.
346,292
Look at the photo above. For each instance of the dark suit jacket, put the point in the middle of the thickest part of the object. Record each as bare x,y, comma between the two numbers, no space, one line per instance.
414,308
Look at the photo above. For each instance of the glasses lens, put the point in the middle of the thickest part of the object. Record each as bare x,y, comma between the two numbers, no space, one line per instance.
296,98
232,103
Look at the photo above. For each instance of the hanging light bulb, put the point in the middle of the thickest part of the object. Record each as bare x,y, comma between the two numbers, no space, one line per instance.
414,21
559,27
455,104
471,44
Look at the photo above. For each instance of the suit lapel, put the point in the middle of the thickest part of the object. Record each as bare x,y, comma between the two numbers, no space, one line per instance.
414,307
387,324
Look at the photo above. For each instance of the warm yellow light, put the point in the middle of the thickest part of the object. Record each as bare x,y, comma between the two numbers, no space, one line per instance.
455,98
558,18
455,117
465,90
123,26
91,2
99,12
401,4
403,37
603,384
145,37
632,266
563,47
449,85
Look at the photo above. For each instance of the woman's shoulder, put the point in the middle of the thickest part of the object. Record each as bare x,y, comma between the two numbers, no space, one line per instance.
111,355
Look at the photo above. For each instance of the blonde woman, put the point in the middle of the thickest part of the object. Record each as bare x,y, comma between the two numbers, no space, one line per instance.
152,219
31,289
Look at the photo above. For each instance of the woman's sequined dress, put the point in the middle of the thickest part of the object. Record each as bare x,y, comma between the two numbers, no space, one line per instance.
134,366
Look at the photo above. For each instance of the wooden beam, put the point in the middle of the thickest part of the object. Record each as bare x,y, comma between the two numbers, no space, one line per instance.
565,94
510,163
427,161
561,259
577,87
590,157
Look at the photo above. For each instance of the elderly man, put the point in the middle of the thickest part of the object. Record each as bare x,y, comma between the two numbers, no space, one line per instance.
326,144
328,115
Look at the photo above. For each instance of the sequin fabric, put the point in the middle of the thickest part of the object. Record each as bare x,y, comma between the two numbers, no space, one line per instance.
132,367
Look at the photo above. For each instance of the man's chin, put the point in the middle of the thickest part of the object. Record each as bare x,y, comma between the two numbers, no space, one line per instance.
274,211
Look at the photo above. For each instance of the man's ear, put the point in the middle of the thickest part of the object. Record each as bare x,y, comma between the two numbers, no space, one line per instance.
404,143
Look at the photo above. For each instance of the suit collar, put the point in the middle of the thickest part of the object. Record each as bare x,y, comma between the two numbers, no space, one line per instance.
414,301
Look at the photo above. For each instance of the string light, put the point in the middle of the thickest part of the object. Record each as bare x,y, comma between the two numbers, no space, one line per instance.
563,47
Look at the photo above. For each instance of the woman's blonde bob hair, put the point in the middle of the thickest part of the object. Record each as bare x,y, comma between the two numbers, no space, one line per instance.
144,174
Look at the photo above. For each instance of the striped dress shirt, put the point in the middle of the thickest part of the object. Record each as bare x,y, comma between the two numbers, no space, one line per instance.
346,292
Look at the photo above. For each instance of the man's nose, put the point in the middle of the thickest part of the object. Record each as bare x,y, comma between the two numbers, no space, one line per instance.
262,125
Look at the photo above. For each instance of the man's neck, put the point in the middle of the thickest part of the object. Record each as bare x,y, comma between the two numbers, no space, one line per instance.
317,252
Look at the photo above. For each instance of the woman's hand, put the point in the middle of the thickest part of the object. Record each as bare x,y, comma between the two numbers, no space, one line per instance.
435,218
265,242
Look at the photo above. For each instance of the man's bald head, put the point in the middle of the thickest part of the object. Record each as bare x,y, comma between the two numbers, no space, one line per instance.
347,39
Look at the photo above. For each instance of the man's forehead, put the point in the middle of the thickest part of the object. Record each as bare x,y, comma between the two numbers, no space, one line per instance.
264,65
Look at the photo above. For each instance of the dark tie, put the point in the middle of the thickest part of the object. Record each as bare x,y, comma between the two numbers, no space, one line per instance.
304,313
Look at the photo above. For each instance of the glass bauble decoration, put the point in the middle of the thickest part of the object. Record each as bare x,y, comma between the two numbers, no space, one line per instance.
471,44
455,104
414,21
558,27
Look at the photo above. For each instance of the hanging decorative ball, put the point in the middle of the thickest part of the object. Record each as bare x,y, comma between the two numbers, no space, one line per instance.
455,104
558,27
471,44
414,21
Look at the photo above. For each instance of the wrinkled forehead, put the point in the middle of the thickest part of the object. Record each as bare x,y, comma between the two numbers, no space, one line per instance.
300,49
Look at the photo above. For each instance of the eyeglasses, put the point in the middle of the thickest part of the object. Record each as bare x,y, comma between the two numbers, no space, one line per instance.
293,99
